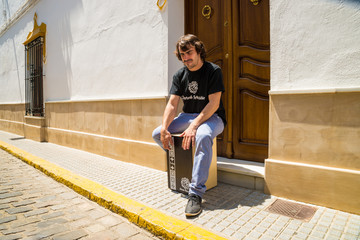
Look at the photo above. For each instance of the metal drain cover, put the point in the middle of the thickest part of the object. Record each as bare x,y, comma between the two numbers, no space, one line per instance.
291,209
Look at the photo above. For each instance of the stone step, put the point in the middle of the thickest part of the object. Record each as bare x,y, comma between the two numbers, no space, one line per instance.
241,173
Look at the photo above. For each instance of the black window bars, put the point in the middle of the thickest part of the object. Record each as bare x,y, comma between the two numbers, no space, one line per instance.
34,103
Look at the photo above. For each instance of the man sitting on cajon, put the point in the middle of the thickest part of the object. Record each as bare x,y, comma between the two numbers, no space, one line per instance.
200,85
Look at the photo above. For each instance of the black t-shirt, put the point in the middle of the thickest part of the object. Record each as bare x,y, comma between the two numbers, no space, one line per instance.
194,87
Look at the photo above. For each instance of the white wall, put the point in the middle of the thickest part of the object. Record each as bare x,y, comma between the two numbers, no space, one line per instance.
176,21
95,49
315,45
99,50
9,8
12,71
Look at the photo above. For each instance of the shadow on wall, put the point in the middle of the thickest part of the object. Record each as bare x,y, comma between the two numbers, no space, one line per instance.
60,44
17,71
7,9
355,2
7,15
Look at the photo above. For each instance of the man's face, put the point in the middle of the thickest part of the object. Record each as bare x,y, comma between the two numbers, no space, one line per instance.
191,58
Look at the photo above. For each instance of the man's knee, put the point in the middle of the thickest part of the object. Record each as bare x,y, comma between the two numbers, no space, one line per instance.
156,134
203,138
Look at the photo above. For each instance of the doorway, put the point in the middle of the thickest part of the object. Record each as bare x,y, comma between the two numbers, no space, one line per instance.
236,34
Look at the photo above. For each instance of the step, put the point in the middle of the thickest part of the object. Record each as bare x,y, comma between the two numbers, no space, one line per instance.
241,173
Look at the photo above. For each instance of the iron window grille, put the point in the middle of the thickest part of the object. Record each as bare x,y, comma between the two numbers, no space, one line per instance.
34,105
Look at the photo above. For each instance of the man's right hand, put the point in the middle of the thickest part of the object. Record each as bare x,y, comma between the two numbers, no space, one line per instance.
166,138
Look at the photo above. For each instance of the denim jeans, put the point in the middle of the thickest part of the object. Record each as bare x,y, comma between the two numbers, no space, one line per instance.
205,134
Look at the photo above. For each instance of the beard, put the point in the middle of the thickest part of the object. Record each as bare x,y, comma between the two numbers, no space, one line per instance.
191,64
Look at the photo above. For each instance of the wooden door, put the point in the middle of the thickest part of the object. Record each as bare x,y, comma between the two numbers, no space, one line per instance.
210,21
236,36
251,82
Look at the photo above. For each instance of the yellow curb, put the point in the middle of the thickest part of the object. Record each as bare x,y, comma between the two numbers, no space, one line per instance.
153,220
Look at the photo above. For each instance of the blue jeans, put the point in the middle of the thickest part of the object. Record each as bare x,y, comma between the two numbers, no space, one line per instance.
205,134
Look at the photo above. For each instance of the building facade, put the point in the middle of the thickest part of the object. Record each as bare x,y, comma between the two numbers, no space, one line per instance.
103,72
314,152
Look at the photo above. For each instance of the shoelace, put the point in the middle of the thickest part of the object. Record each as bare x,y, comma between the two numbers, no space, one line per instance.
193,199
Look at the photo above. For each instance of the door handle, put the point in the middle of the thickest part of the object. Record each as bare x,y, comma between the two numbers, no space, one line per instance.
206,11
255,2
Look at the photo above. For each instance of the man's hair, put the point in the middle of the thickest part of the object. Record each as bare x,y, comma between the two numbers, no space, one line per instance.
188,40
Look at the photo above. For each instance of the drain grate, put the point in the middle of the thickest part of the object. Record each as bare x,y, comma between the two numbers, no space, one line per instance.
291,209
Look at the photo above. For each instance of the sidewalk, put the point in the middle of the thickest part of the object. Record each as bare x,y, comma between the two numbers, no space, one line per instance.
141,194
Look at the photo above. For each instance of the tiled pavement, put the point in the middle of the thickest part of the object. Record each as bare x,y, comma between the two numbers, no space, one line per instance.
229,211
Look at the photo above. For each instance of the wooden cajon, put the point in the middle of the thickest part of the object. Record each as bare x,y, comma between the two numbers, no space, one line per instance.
180,163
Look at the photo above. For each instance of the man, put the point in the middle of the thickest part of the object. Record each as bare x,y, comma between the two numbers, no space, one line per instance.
200,85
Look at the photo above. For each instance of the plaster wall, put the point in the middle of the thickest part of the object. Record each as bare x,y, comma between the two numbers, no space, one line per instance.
314,45
176,29
314,153
314,116
12,70
117,50
9,9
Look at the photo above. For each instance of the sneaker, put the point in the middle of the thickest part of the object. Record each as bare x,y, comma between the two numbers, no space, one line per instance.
193,207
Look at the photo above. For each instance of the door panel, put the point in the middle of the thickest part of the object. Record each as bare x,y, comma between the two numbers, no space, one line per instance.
247,16
251,66
255,70
254,128
215,33
236,35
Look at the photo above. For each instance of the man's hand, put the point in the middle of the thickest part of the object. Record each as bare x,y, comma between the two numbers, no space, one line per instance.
165,137
188,137
210,108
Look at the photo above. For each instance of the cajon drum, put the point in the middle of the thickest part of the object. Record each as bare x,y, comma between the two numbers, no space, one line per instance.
180,163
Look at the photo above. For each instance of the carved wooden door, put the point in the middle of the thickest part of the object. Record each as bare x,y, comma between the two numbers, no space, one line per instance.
251,82
236,35
210,21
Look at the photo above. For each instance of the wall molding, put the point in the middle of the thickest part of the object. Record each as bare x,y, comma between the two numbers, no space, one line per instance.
314,91
336,169
101,136
10,121
108,100
16,16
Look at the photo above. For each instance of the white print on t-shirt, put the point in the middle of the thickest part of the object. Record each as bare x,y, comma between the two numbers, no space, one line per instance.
193,97
193,87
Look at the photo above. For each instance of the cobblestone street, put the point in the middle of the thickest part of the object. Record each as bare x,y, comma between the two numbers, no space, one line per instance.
34,206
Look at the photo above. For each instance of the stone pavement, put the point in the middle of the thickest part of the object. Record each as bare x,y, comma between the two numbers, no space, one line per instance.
141,194
34,206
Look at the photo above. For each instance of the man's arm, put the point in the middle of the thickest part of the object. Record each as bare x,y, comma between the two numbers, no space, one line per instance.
210,108
169,115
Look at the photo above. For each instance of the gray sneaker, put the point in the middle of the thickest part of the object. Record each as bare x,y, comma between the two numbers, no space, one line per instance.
193,207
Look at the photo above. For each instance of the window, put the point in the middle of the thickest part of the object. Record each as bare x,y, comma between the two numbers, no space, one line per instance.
34,104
